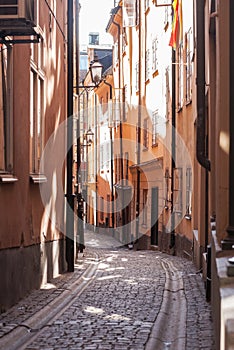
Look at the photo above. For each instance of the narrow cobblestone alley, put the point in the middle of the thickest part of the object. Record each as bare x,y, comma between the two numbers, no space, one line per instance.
116,299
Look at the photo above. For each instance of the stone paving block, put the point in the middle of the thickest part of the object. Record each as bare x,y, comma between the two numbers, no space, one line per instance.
122,311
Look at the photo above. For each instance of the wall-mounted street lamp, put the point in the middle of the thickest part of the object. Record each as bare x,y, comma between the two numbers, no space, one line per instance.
89,136
96,71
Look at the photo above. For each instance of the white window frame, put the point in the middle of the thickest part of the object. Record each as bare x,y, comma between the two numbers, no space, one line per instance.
147,65
37,78
145,134
178,190
167,94
137,76
154,54
155,116
189,66
180,74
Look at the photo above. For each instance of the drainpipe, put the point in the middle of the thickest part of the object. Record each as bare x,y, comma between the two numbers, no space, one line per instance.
173,153
111,161
96,154
120,128
201,115
69,194
80,208
138,132
228,243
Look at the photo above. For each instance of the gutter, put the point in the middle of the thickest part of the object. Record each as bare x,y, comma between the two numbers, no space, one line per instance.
201,149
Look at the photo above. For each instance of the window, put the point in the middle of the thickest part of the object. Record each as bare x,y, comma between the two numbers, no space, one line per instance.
189,48
6,115
144,209
138,3
129,13
146,5
116,53
101,208
147,65
188,193
145,134
167,94
36,108
155,121
101,156
154,55
137,76
167,191
126,157
125,91
178,194
180,78
93,38
166,18
124,40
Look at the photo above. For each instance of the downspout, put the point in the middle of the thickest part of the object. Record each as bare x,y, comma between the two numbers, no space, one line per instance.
173,153
80,209
111,161
69,194
138,132
120,127
228,243
201,115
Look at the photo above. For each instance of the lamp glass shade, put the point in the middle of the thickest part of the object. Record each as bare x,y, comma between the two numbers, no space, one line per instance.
96,72
89,135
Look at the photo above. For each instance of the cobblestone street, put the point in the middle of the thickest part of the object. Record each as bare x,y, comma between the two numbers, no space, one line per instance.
116,299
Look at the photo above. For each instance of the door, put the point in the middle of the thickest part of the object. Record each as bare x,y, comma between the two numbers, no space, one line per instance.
154,216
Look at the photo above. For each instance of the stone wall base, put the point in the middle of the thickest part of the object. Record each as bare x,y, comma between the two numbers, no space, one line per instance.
26,268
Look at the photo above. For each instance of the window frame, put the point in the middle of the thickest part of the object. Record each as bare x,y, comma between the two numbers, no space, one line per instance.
180,78
154,55
7,167
178,191
189,66
146,134
37,112
155,132
147,65
144,207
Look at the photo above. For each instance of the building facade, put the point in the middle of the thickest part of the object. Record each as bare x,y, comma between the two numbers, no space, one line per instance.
33,105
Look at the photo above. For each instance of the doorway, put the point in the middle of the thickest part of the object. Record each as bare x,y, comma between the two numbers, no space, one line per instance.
154,216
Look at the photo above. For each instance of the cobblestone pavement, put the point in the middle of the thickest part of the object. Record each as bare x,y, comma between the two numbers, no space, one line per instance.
118,308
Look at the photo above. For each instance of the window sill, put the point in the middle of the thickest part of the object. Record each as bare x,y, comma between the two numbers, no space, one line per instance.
8,178
37,178
155,73
188,102
147,10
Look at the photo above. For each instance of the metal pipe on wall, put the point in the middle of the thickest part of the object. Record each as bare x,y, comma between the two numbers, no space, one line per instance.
69,194
200,81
